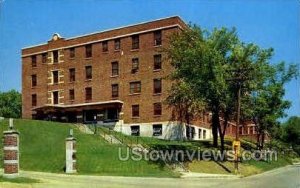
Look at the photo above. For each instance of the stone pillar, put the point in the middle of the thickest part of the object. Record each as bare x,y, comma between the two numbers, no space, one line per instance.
11,152
71,154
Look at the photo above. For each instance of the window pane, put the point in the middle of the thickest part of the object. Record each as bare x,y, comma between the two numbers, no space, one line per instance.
157,38
157,108
135,111
135,87
88,72
157,129
72,52
55,56
33,80
115,90
88,93
33,61
135,65
157,62
71,94
105,46
117,44
115,68
88,51
33,100
55,77
135,42
157,85
44,57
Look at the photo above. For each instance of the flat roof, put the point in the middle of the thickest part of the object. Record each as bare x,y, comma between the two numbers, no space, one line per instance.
113,29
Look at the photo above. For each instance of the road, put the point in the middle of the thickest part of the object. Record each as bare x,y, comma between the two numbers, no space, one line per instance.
287,177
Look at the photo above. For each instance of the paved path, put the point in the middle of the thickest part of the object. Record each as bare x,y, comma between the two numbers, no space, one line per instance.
287,177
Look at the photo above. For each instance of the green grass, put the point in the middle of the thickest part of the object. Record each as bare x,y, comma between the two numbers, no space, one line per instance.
19,180
42,148
246,168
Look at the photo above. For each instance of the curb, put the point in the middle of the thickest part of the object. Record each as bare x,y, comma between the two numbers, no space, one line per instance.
210,176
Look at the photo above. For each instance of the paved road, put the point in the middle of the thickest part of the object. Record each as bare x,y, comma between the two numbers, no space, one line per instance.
287,177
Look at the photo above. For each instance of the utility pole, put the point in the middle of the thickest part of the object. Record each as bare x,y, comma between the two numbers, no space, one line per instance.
239,78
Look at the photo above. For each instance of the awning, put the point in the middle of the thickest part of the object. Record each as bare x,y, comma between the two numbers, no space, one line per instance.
81,106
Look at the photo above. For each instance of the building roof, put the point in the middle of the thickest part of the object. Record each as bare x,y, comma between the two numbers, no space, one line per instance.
120,32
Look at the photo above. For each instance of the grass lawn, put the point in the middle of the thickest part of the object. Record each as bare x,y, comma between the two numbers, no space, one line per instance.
246,168
18,180
42,148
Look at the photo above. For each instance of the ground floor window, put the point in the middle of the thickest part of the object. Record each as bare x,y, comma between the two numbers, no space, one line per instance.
199,133
204,134
135,130
157,129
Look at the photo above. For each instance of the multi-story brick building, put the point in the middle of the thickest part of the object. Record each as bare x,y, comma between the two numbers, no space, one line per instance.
115,77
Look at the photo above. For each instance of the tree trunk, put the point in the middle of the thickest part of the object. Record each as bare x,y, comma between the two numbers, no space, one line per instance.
215,125
262,140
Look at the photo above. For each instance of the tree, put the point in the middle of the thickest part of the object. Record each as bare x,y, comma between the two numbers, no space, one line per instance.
200,60
206,62
292,132
185,106
267,102
10,104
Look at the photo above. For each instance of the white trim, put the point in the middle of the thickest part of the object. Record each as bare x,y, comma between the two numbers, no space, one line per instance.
11,162
104,39
80,104
11,148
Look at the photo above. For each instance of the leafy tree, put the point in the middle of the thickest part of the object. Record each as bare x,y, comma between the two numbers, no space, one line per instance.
185,106
207,63
10,104
266,104
292,132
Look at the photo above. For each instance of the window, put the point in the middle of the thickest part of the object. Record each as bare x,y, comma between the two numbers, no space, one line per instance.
55,97
135,87
114,90
251,130
135,42
157,38
33,61
157,62
115,68
33,80
135,130
72,75
88,72
157,108
55,77
33,100
199,133
88,93
135,110
157,129
88,51
135,65
104,46
156,86
55,56
71,94
117,44
72,52
204,134
240,130
44,57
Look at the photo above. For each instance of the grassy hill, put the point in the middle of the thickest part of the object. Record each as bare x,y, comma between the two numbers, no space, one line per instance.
42,148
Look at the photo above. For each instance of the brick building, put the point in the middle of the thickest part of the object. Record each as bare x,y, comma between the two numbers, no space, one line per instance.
115,77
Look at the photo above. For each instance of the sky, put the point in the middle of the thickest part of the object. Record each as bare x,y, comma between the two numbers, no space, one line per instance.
267,23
